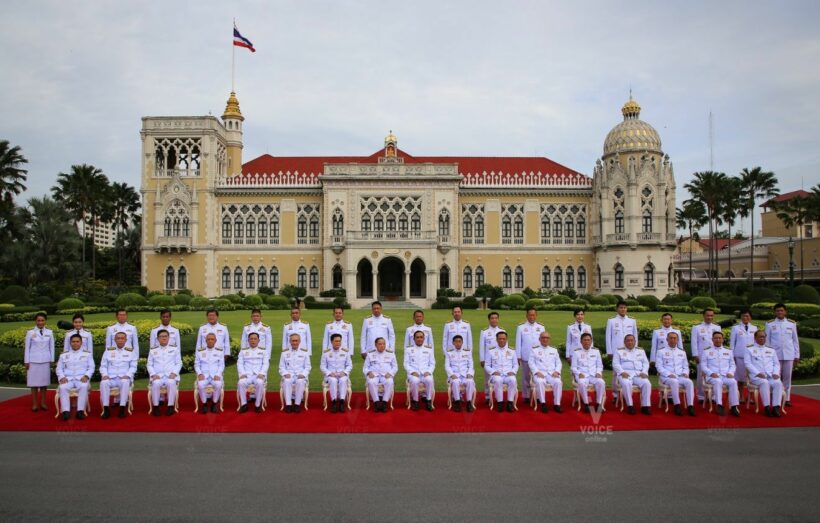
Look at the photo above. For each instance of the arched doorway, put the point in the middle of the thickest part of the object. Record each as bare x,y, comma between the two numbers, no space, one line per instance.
391,278
418,287
364,279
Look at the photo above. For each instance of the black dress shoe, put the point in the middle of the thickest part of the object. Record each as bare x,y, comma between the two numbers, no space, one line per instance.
155,411
499,407
243,409
66,415
646,411
333,407
297,409
414,405
214,407
691,410
429,406
342,406
776,412
510,406
788,403
80,414
557,409
457,406
288,409
106,413
599,407
767,411
630,409
169,411
735,411
584,407
123,411
544,408
257,408
720,411
204,409
470,407
678,411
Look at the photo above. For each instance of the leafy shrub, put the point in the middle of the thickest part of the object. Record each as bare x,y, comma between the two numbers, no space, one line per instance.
806,294
70,303
310,299
580,302
130,298
6,307
199,302
489,291
599,300
515,301
702,302
254,300
796,311
762,294
570,293
291,291
649,301
806,350
265,290
534,302
277,302
233,298
560,299
631,302
807,368
470,302
449,293
222,304
333,293
183,298
341,301
611,298
15,294
162,300
809,328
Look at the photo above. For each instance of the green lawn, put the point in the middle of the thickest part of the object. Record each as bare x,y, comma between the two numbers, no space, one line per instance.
556,322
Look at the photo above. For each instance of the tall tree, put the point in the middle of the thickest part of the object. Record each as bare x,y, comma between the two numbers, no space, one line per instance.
691,216
756,184
53,240
795,213
125,204
12,183
707,188
83,191
730,207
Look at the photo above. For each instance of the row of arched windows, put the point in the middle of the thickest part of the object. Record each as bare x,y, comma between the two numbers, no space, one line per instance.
252,279
180,277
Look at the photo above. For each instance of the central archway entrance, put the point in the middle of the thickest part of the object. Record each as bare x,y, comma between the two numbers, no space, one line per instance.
391,278
418,276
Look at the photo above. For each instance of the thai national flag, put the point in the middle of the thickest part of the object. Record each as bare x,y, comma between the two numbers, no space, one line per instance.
241,41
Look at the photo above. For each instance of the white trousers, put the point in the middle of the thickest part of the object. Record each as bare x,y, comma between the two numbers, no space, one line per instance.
771,390
243,385
337,387
541,388
498,382
111,383
598,383
740,369
201,385
157,384
414,386
82,394
717,389
688,388
293,389
455,387
373,386
786,367
642,383
526,375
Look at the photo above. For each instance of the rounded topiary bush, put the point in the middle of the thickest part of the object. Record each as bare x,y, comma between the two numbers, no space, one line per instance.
222,303
631,302
15,294
183,299
254,300
199,302
702,302
762,294
233,298
161,300
649,301
560,299
277,302
611,298
130,298
599,300
534,302
806,294
70,303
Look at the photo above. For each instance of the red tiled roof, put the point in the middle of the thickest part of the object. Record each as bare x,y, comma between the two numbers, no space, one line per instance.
719,243
467,165
786,197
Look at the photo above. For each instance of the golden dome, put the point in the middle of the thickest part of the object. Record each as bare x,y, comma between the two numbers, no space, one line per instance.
390,138
633,134
631,109
232,108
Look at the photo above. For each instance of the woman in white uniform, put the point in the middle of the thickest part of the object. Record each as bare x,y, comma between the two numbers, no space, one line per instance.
38,357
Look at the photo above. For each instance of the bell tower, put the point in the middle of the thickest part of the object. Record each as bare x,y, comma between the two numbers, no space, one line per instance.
232,119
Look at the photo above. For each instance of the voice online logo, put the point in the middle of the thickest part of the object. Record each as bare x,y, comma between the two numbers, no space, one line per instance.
596,433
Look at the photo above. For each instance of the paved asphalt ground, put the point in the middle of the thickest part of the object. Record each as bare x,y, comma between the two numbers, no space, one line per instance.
706,475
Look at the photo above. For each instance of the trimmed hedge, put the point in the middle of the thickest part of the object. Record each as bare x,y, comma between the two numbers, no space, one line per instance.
796,311
162,300
130,298
702,302
806,294
70,303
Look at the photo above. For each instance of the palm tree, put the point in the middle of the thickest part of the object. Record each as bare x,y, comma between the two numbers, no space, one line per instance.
691,216
707,187
125,203
12,176
756,184
53,240
731,206
794,213
83,192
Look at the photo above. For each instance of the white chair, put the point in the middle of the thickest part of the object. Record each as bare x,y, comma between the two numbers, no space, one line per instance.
576,397
163,394
115,395
73,394
620,400
422,392
751,389
504,393
666,391
533,399
251,391
462,390
209,393
304,398
326,394
709,392
381,392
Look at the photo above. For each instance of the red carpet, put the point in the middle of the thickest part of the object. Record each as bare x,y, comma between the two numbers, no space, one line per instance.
16,415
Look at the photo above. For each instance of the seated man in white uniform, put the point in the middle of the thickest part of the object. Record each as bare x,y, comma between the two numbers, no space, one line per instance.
164,365
117,369
419,363
673,371
294,368
252,367
502,367
545,367
718,368
336,365
380,367
209,366
763,370
74,371
587,369
458,364
631,366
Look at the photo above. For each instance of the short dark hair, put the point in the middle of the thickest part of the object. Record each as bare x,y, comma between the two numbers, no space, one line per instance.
419,331
338,308
576,311
118,311
78,315
493,313
586,335
256,311
335,335
164,311
210,311
377,302
780,306
745,311
715,333
457,307
458,336
665,314
41,314
620,302
75,335
530,308
417,311
497,334
377,340
253,334
708,309
161,331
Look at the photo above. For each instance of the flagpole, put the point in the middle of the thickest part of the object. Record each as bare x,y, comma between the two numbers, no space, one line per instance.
233,60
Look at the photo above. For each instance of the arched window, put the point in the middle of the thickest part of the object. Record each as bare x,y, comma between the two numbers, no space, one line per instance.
558,277
263,231
444,277
467,228
274,278
301,230
519,277
619,276
378,223
250,278
568,227
226,278
314,277
649,276
226,230
338,223
177,228
314,229
479,276
581,228
556,228
468,277
582,278
619,222
518,228
506,229
337,277
570,277
366,223
250,230
546,278
186,228
506,278
403,223
479,230
237,278
301,278
274,229
646,221
169,278
415,223
444,223
262,277
545,229
182,278
391,222
167,229
238,227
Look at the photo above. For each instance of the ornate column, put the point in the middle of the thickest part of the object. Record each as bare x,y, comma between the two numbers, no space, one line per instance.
375,282
407,285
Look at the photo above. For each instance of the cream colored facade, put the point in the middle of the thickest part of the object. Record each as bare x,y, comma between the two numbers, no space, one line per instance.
398,227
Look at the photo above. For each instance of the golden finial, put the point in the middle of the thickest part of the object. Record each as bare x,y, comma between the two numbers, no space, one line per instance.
232,108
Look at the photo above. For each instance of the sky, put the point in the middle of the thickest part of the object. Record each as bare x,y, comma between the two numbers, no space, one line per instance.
518,78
